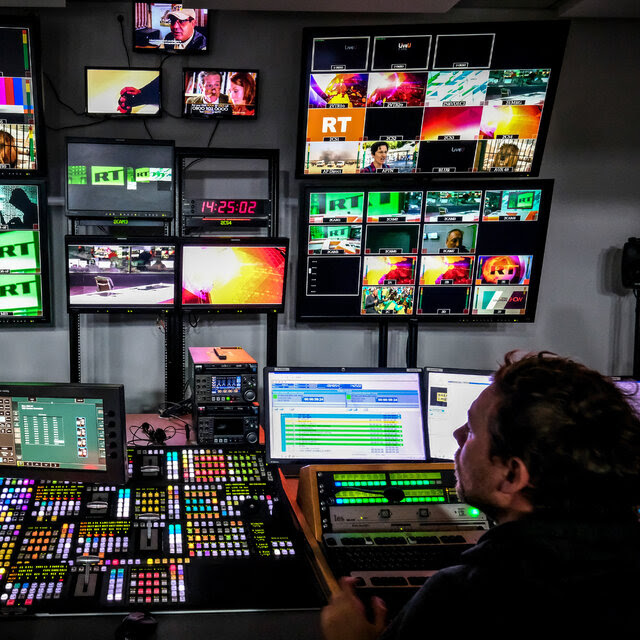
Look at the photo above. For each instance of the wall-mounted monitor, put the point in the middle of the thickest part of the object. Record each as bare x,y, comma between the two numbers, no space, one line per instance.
123,91
118,178
220,93
120,275
165,27
467,251
24,255
232,275
22,151
319,415
428,99
70,432
449,394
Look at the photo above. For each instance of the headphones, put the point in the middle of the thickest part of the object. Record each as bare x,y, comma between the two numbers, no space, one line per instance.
155,435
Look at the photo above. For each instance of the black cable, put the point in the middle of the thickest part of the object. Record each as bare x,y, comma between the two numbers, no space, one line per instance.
57,96
76,126
124,44
146,126
213,132
193,319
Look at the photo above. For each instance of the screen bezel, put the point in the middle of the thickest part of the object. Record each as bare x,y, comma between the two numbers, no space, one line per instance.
440,370
346,370
233,118
109,114
551,34
178,52
33,25
545,185
110,240
239,242
106,213
115,430
45,270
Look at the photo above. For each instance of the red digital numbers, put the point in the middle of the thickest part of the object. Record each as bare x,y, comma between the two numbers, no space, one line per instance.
229,207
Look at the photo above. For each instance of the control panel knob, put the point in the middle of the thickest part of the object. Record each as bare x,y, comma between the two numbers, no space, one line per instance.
252,437
249,395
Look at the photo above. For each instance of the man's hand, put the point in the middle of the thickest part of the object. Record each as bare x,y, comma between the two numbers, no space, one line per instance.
344,618
125,101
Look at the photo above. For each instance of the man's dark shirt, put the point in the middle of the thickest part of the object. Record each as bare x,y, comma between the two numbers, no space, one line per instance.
533,578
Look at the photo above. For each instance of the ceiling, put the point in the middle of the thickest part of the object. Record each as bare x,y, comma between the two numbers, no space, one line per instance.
552,8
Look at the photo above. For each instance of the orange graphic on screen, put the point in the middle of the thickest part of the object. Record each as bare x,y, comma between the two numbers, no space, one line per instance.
347,124
521,121
504,270
233,275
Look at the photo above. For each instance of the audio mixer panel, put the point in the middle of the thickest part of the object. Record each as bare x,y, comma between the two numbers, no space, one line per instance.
389,526
196,529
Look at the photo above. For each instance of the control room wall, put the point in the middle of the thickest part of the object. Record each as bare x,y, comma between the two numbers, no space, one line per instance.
591,153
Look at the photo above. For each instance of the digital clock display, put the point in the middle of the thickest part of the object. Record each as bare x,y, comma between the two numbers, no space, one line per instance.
230,208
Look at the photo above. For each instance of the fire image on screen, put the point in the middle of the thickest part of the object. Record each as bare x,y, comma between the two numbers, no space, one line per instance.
446,270
389,270
227,276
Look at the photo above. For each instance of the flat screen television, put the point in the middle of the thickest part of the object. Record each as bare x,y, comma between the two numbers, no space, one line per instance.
466,251
22,149
217,93
67,432
167,27
450,393
233,275
340,414
120,275
119,178
428,99
24,256
123,91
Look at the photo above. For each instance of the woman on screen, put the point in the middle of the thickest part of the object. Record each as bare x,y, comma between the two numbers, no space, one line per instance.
242,93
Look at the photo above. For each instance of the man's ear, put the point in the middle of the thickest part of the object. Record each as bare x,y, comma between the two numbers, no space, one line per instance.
516,476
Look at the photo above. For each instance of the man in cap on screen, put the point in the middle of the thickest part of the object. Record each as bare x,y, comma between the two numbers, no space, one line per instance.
183,35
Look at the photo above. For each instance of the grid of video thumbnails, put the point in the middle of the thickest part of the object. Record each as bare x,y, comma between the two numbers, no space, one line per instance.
21,286
18,148
434,103
442,255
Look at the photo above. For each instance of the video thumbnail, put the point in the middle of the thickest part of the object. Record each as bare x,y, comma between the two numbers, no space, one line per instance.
401,52
446,270
334,240
471,50
331,157
517,86
387,301
393,124
513,270
400,157
21,294
446,156
17,146
519,121
18,206
123,91
19,252
342,90
504,156
522,206
389,270
398,89
443,300
333,276
340,54
461,88
340,207
394,206
391,238
457,123
500,300
335,125
453,206
233,276
449,238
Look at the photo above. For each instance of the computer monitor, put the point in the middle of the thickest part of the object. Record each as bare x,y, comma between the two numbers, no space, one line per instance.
450,393
115,91
233,275
119,178
22,136
63,431
220,93
24,255
320,415
115,274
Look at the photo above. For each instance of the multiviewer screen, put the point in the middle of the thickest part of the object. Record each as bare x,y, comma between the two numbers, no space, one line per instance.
52,433
449,396
340,415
